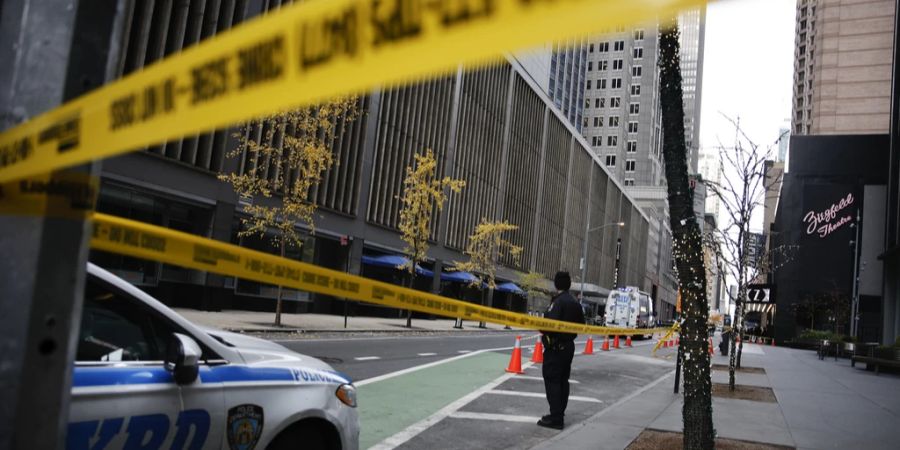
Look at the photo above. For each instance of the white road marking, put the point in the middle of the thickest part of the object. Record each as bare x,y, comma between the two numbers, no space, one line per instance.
464,351
500,417
539,395
424,424
427,354
526,377
425,366
367,358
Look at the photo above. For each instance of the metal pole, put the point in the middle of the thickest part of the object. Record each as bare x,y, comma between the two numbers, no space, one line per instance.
855,296
63,53
587,235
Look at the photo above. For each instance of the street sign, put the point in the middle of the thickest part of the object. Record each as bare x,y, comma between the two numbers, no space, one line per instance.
760,293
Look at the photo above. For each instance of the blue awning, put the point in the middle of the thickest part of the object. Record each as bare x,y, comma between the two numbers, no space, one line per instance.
459,277
394,262
511,288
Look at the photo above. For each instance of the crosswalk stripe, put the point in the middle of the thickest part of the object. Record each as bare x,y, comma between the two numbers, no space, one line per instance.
500,417
541,395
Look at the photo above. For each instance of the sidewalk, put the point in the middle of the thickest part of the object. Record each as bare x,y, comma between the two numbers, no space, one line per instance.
821,404
253,321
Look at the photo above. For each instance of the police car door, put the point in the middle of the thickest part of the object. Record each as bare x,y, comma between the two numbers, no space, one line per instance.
122,395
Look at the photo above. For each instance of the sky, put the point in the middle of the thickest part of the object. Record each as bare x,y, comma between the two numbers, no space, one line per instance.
747,71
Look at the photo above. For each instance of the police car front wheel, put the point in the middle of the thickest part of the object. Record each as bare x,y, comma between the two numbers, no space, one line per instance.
312,434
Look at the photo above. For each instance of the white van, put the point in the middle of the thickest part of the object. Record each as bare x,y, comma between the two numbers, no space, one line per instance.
628,307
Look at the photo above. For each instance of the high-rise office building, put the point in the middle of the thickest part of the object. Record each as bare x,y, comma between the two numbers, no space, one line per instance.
692,24
842,67
568,63
621,104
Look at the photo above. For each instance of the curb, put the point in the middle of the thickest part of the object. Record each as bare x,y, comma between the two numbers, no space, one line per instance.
343,330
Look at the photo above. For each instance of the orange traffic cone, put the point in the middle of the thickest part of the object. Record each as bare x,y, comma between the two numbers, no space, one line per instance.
515,361
606,344
538,356
711,352
616,342
628,341
589,346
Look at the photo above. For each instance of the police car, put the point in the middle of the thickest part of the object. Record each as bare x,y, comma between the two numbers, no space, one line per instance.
145,377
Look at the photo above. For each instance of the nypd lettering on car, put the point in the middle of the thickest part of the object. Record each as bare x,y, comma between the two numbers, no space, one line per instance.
146,378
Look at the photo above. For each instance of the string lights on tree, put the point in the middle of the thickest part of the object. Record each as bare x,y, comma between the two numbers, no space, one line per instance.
688,249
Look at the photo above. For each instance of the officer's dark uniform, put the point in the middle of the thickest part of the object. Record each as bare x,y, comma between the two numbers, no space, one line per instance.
559,348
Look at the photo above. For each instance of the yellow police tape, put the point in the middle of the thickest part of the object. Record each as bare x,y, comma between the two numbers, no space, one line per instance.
62,194
299,55
127,237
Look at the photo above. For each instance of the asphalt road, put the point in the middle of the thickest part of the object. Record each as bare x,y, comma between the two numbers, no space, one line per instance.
367,357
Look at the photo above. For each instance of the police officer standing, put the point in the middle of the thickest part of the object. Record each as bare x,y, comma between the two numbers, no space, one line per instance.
559,348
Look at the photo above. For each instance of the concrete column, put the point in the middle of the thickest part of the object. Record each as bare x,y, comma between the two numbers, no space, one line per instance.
53,51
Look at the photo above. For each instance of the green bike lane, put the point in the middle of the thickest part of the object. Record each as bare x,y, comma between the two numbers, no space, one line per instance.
428,406
389,406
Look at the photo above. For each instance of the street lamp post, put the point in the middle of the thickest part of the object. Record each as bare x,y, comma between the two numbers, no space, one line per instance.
854,299
587,234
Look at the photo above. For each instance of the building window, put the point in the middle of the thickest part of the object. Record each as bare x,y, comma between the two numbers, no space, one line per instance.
587,103
629,165
636,71
603,47
631,147
636,90
598,121
639,34
602,65
638,52
615,102
590,66
617,83
632,127
588,84
629,182
601,102
594,140
585,123
612,141
619,46
601,84
610,160
591,48
613,121
596,103
634,108
617,64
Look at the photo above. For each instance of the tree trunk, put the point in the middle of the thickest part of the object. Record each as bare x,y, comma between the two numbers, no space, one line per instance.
278,296
411,279
697,409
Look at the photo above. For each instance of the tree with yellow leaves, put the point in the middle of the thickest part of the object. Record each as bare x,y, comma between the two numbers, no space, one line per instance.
424,194
486,245
283,157
531,283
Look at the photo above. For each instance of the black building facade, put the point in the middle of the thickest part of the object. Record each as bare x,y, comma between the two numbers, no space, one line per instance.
832,208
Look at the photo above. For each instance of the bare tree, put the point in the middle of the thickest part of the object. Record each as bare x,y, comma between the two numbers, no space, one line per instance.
741,193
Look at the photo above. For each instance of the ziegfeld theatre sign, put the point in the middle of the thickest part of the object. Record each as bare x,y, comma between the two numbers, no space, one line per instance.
823,223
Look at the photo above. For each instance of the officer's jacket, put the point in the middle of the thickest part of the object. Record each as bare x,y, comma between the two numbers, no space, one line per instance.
563,307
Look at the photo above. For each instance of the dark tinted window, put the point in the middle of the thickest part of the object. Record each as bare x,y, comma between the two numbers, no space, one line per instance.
115,327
